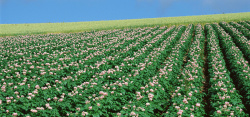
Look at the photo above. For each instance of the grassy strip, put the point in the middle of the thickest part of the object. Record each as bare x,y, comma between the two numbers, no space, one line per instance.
43,28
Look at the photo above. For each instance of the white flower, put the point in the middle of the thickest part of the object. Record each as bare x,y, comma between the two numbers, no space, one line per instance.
84,113
60,100
218,111
120,84
118,114
101,93
150,95
14,114
29,97
132,114
32,67
142,88
134,106
43,73
37,87
33,110
47,105
180,112
151,90
225,106
8,101
185,101
197,104
55,98
105,94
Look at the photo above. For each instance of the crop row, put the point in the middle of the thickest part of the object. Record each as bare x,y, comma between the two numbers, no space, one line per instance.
242,29
151,71
245,24
151,97
45,81
242,42
122,84
224,98
236,63
187,95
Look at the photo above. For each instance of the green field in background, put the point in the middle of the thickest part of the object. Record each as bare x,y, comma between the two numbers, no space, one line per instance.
43,28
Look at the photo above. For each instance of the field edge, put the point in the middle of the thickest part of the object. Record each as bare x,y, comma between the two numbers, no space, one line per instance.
74,27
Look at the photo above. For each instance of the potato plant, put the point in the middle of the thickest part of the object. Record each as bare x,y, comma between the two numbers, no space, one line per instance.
150,71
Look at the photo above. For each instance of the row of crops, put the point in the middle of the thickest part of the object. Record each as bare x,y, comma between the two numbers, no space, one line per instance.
173,71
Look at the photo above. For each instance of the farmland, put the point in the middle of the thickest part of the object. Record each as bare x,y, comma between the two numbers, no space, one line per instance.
69,27
185,70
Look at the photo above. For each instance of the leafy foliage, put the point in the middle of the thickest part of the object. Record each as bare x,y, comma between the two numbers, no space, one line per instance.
130,72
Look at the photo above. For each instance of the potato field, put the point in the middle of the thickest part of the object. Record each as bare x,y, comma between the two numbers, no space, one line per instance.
178,71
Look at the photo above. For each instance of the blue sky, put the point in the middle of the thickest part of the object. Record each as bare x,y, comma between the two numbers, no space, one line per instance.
44,11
